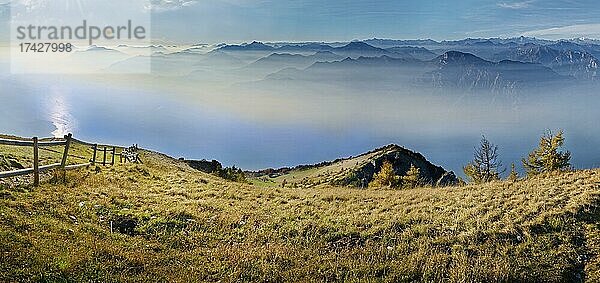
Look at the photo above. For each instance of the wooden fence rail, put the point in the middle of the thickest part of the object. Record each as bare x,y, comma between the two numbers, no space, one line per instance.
37,169
30,143
112,150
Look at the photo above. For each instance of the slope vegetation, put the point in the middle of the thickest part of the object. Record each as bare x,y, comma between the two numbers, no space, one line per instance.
356,171
172,223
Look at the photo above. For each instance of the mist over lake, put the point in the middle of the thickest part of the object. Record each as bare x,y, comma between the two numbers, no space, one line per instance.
258,109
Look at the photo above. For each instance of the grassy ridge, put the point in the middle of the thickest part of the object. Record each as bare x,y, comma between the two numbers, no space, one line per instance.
172,223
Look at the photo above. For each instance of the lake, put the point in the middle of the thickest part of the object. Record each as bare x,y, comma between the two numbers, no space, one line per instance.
240,131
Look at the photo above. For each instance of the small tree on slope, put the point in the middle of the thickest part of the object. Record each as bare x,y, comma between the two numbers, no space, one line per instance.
412,179
486,165
386,177
548,157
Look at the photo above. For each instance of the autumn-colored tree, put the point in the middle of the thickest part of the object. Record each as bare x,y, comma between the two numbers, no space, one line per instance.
412,179
548,157
386,177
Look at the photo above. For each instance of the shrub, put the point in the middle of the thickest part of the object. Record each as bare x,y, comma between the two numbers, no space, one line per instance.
232,174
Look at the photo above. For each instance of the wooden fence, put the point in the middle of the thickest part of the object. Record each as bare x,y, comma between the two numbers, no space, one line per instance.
104,150
37,168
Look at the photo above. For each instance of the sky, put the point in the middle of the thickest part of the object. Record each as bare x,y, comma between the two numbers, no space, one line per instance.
216,21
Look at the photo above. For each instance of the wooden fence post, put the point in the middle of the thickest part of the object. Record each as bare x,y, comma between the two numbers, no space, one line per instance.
104,159
112,160
36,163
66,153
95,147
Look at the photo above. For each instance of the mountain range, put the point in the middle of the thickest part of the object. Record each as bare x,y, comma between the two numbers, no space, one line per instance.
502,66
451,70
567,58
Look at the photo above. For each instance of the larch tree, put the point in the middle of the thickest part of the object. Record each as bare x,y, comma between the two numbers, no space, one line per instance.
548,156
386,177
486,165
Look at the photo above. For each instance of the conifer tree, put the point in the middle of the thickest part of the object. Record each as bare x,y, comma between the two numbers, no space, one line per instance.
486,165
548,157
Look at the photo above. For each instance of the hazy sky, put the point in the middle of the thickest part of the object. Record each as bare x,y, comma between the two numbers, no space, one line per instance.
215,21
231,20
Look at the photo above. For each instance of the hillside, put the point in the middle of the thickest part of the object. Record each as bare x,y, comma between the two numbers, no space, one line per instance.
173,223
355,171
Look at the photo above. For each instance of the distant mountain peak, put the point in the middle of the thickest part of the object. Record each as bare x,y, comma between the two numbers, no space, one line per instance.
459,57
325,52
254,46
256,43
359,46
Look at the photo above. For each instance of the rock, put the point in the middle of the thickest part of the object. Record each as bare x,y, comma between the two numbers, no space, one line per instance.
448,179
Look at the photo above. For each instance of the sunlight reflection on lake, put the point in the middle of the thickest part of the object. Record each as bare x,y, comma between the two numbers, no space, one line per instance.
59,113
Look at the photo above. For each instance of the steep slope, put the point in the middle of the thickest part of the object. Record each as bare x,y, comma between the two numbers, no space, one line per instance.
469,72
164,221
564,58
357,171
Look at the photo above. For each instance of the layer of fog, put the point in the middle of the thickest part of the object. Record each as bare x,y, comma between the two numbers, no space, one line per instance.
198,108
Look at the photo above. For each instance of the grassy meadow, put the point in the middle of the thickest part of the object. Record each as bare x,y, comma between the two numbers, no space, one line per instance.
171,223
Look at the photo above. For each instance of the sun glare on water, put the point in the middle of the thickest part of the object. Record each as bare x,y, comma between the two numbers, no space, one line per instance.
59,114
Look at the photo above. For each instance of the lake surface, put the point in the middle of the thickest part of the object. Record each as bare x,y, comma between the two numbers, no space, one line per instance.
182,127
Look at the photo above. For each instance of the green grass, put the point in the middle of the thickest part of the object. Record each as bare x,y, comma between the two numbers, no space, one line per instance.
172,223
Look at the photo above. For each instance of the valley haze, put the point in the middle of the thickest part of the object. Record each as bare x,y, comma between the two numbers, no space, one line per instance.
299,141
274,104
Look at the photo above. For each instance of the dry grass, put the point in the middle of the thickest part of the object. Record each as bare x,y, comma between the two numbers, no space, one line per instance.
323,175
172,223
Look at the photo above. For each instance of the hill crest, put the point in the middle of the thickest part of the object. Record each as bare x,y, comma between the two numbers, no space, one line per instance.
358,171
